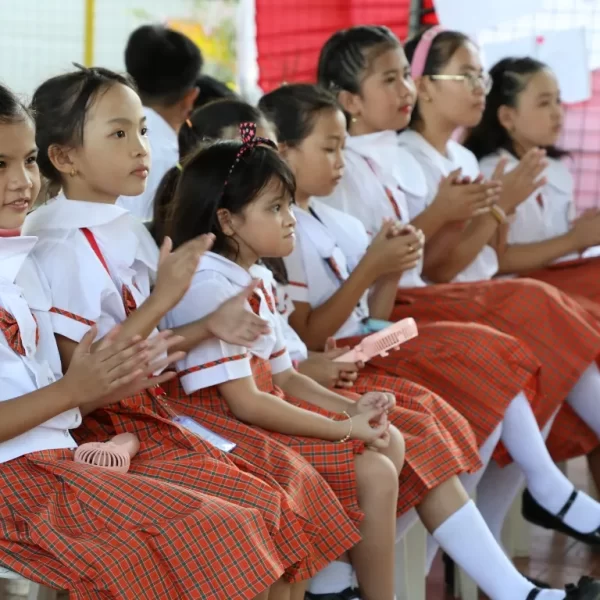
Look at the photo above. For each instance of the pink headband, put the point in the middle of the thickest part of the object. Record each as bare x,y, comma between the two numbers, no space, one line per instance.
419,59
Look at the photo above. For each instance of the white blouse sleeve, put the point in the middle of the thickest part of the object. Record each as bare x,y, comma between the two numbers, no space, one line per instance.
213,361
76,293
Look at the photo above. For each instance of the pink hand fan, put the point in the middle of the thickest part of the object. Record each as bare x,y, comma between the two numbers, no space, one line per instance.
379,344
115,455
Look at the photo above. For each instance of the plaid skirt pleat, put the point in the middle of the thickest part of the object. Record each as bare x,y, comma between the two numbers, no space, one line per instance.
562,335
570,436
170,453
103,535
274,456
333,461
475,369
439,441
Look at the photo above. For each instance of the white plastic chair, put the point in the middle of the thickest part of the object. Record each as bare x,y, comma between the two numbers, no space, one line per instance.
410,564
35,590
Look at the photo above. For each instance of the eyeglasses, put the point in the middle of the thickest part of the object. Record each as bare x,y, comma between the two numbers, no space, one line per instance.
482,81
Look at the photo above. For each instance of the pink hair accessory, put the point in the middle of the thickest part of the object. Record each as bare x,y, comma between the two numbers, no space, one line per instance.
417,65
379,344
114,455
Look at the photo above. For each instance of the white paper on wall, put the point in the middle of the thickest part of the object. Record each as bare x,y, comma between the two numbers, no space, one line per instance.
565,52
471,16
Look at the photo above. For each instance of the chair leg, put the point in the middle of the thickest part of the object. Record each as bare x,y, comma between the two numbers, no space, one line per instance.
410,564
39,592
517,532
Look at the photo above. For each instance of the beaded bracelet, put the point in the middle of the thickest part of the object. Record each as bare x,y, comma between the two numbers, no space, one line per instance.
347,437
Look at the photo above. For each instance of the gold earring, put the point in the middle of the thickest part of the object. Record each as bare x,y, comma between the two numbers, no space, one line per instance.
353,119
73,172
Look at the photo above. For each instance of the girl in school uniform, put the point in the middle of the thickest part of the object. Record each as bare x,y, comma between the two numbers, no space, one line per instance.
221,119
101,263
242,193
544,239
68,525
329,272
430,189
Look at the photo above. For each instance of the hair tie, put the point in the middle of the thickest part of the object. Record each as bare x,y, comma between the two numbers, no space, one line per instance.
417,65
189,123
179,167
249,141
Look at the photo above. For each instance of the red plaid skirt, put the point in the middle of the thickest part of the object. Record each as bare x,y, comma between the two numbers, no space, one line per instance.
170,453
570,436
436,450
439,441
475,369
103,535
333,460
563,336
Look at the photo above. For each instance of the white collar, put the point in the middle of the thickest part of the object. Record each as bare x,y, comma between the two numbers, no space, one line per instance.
13,252
126,233
381,149
62,213
215,262
316,231
417,142
159,130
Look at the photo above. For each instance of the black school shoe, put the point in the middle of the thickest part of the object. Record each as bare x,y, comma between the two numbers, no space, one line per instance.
586,589
347,594
449,576
538,515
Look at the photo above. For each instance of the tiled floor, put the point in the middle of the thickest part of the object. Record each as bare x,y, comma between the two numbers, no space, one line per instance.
554,558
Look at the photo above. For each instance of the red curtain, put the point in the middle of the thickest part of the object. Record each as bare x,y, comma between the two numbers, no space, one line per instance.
290,34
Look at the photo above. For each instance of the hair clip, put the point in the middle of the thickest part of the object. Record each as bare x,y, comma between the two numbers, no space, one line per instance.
249,141
179,167
188,123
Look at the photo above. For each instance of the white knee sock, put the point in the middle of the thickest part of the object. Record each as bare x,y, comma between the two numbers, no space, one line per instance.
334,578
546,482
585,398
470,481
466,538
498,488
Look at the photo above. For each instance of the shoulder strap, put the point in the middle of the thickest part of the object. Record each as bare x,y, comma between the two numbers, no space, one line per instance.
94,244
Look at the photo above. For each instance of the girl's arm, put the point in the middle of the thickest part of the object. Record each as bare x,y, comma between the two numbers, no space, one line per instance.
21,414
92,379
383,297
584,232
521,258
394,250
453,259
252,406
300,386
316,325
231,322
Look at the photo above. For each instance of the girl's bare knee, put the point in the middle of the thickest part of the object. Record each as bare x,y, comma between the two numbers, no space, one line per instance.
376,474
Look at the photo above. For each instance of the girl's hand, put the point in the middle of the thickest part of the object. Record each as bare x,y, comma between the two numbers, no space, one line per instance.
369,426
94,374
460,199
322,368
585,230
376,400
176,269
155,359
233,323
522,181
393,250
